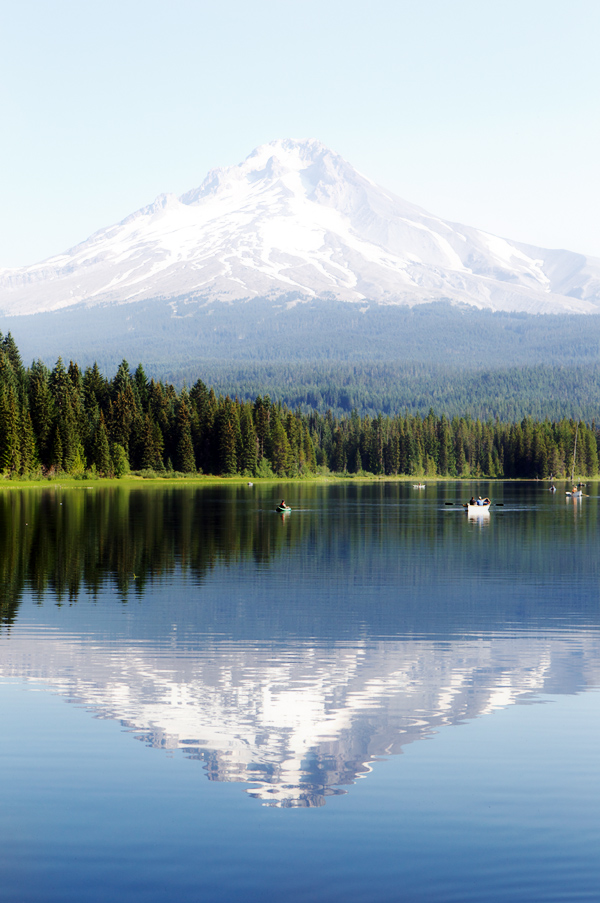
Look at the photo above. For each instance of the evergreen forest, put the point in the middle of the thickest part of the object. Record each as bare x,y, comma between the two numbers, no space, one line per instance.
509,393
67,420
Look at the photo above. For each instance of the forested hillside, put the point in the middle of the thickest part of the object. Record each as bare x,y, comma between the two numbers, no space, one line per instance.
66,420
328,355
506,394
189,334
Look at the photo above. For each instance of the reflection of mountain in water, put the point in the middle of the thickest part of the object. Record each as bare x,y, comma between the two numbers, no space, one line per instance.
297,722
290,654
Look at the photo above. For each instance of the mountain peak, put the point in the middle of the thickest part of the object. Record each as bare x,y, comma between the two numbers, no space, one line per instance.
269,162
292,152
296,217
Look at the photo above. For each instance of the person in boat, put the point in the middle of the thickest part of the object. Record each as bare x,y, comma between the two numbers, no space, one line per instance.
282,504
480,501
472,500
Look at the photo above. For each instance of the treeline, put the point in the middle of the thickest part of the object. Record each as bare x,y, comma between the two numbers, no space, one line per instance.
81,423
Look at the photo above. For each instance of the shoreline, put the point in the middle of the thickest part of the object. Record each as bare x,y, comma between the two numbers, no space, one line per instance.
197,480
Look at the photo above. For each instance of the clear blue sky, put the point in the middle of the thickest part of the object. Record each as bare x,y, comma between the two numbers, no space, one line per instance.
486,113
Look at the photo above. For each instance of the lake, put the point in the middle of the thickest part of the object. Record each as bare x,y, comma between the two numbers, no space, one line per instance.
374,697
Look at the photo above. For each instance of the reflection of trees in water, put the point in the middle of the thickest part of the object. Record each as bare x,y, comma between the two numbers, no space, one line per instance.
73,541
69,542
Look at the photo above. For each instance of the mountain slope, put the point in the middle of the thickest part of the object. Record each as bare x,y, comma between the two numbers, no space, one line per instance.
295,219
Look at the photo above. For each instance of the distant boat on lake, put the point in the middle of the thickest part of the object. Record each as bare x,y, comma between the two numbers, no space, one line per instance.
478,509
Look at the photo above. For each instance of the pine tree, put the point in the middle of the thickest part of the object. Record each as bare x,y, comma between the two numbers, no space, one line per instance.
27,449
102,450
41,409
10,350
124,411
158,406
184,460
229,437
67,402
77,401
78,463
159,446
338,459
591,454
445,462
376,456
415,453
140,382
310,459
95,388
293,431
262,416
119,460
392,454
280,447
10,448
122,380
148,452
249,453
56,453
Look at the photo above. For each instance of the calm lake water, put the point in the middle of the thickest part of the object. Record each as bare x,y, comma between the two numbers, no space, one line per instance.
372,698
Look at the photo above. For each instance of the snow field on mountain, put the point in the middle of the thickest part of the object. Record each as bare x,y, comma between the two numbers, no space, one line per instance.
296,216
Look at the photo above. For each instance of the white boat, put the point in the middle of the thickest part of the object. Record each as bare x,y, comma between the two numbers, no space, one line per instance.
418,485
478,509
576,494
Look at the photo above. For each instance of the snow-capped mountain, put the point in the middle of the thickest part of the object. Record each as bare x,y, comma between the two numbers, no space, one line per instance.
296,219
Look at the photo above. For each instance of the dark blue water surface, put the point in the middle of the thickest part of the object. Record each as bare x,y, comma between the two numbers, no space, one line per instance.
374,697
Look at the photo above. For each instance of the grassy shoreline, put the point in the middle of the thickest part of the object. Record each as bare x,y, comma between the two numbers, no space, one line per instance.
133,481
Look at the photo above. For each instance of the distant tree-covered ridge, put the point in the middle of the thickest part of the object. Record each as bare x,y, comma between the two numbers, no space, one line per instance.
508,394
81,423
326,355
